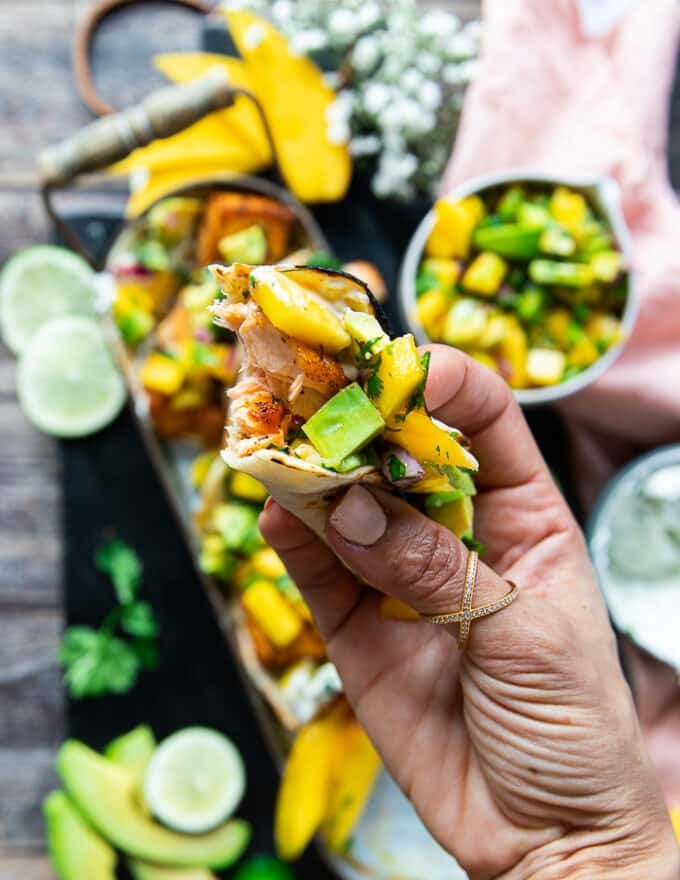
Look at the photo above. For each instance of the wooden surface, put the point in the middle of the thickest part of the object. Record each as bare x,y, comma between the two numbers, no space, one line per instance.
36,35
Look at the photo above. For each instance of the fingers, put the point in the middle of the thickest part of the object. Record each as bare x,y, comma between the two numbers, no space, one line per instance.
402,553
329,589
468,396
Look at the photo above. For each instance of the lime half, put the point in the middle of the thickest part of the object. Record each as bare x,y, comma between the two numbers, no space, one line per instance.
40,283
67,382
195,780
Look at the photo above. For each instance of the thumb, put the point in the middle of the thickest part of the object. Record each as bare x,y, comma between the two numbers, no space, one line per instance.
399,551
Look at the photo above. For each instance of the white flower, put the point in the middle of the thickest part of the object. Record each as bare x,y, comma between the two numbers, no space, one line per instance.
469,70
473,29
340,110
451,74
376,97
430,94
342,23
332,79
282,10
366,54
460,46
412,80
438,23
338,131
365,145
429,63
367,15
308,41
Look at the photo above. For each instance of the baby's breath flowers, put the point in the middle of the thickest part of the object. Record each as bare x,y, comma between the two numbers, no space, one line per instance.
400,75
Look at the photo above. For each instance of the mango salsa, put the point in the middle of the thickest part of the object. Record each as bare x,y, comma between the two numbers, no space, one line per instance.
272,612
162,373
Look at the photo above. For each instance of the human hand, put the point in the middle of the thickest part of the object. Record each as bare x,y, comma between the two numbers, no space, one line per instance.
523,755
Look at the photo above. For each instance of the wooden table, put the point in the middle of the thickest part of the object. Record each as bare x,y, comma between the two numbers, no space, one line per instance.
36,37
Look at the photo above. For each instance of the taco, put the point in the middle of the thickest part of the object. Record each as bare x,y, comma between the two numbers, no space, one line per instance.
326,397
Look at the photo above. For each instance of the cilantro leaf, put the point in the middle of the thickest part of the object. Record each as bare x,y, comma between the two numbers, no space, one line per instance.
374,385
123,566
366,349
397,468
473,544
96,663
138,619
146,650
417,400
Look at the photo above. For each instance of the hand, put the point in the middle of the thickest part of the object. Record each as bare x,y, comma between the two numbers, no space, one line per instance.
523,755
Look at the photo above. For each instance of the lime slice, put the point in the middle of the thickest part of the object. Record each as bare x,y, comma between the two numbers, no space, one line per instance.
195,780
67,382
40,283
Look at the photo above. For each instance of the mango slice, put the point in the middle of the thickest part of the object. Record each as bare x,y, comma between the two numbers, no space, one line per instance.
295,100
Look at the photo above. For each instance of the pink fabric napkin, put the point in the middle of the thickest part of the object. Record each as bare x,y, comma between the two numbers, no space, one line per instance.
548,98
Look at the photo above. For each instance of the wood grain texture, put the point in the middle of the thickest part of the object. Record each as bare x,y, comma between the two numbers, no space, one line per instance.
36,36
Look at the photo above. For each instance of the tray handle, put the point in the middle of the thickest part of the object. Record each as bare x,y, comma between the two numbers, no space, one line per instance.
107,140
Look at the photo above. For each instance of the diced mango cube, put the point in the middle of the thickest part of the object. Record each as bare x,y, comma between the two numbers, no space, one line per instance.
246,487
465,323
568,207
494,331
430,310
485,274
445,271
583,352
272,612
267,562
162,373
455,221
545,366
400,373
428,442
512,352
557,325
604,329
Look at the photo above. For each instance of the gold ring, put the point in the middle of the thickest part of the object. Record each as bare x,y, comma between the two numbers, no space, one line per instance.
467,613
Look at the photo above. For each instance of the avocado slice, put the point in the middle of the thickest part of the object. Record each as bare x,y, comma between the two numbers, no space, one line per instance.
145,871
76,851
343,425
248,245
105,794
133,751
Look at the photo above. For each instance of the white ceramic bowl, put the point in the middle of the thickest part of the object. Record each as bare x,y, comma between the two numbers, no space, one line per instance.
603,194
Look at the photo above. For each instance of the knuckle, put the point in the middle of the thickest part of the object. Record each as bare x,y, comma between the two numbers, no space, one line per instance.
429,563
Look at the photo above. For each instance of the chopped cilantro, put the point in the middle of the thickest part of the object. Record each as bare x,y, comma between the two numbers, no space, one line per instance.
374,384
473,544
97,661
366,348
397,468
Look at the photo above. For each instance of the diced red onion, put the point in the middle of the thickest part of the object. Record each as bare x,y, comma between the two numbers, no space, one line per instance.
413,472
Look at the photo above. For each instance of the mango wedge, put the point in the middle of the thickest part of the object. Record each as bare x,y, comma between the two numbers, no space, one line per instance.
295,100
429,443
358,768
304,793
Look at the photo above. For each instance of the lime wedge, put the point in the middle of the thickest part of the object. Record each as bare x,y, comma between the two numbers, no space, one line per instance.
67,382
40,283
195,780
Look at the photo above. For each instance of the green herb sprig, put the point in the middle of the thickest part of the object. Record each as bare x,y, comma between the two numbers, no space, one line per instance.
98,661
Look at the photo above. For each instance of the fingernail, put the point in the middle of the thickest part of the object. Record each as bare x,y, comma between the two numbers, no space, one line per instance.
359,518
268,503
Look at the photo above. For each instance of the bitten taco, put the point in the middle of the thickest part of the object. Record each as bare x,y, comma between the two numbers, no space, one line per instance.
326,398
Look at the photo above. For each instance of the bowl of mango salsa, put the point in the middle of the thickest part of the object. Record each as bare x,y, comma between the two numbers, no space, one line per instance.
528,275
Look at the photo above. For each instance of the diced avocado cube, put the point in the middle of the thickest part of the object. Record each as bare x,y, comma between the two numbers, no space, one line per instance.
135,325
153,255
510,203
564,274
249,245
173,219
556,240
343,425
530,303
235,523
607,266
352,461
368,336
533,215
516,241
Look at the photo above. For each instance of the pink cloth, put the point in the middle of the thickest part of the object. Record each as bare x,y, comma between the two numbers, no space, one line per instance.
548,98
